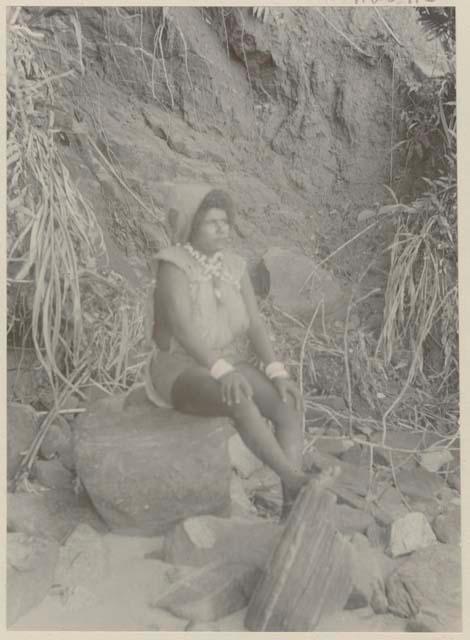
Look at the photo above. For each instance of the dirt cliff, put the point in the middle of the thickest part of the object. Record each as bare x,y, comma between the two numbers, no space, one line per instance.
296,113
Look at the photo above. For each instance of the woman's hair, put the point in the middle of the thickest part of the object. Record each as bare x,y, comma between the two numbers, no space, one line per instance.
215,199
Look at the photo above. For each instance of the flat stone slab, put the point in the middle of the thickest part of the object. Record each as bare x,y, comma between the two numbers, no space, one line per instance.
308,575
210,593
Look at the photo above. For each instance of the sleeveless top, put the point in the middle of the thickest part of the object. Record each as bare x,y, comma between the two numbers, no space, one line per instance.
219,315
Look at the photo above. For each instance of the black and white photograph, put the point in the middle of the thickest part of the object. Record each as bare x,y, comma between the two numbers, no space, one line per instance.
232,323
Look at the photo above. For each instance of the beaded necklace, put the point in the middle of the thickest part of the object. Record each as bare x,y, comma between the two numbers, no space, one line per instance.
212,269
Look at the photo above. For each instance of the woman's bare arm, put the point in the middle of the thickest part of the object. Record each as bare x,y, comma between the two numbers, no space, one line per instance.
257,331
174,297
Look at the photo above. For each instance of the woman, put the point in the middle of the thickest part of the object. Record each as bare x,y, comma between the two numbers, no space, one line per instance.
205,312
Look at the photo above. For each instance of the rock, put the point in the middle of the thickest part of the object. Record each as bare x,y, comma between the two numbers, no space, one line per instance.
207,539
30,572
53,474
308,576
409,440
352,478
241,505
429,582
367,578
58,442
447,527
409,533
233,622
453,480
53,514
212,592
243,460
378,536
288,272
364,620
83,559
434,460
356,455
333,446
419,483
167,622
391,501
349,520
22,426
147,468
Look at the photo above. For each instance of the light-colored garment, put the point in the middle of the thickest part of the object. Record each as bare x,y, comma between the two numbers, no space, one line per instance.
220,318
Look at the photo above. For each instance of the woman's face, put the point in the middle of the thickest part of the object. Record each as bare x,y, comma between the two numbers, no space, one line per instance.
213,233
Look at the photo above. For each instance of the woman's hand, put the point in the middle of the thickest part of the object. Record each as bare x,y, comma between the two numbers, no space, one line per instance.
286,388
233,386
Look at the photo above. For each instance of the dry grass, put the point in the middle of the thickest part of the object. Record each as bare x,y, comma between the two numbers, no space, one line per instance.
73,311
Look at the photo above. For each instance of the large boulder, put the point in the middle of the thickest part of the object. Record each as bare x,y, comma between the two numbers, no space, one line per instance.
427,589
31,563
287,271
21,428
147,468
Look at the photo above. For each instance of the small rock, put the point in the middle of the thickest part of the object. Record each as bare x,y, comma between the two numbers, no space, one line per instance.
22,423
243,460
241,505
447,527
167,622
368,580
208,539
361,620
30,572
453,480
333,446
434,460
419,483
350,520
53,514
58,442
53,474
210,593
83,559
429,582
233,622
357,455
410,533
378,536
391,501
410,441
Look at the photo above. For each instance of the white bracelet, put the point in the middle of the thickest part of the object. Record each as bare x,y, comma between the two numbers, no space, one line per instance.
276,370
220,368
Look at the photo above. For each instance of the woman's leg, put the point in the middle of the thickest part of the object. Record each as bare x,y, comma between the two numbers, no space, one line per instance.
195,392
286,420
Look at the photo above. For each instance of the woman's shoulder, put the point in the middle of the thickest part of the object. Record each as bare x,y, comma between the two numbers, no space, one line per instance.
175,255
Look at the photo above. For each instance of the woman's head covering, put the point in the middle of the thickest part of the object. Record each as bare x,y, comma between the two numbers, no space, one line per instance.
183,202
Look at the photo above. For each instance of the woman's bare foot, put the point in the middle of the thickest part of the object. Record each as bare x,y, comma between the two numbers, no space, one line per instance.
322,480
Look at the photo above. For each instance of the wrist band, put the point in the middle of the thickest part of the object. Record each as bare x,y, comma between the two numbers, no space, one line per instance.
276,370
220,368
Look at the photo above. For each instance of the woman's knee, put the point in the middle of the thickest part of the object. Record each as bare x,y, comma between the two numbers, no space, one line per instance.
285,414
244,409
